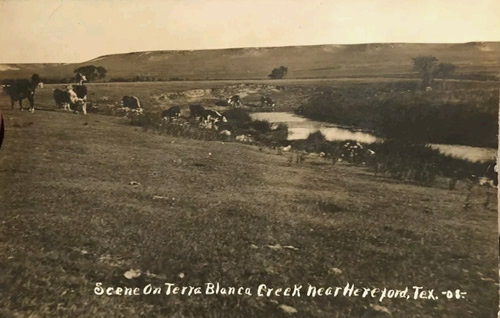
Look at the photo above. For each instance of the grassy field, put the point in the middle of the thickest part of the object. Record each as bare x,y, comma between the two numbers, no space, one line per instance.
214,212
289,94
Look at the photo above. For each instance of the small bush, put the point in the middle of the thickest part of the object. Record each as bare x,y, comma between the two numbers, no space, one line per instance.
237,115
278,72
261,126
145,120
407,161
281,132
316,137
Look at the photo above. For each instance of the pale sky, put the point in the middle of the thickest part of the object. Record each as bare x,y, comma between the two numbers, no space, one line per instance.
34,31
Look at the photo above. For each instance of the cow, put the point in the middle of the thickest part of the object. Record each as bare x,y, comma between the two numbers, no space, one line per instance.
490,176
172,112
213,116
234,100
81,93
267,101
131,102
64,98
80,78
196,111
69,98
23,89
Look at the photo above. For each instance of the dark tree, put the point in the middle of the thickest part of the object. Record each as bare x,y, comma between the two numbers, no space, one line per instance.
444,71
101,71
425,66
279,72
91,72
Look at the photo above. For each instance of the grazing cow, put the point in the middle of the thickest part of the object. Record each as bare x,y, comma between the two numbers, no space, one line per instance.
214,116
72,97
234,100
131,102
196,111
23,89
172,112
267,101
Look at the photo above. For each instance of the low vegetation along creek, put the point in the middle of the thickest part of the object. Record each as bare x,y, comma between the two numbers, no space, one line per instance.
136,199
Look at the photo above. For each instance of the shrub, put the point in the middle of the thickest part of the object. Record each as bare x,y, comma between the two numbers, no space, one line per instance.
281,132
274,137
278,72
407,161
261,126
238,118
316,137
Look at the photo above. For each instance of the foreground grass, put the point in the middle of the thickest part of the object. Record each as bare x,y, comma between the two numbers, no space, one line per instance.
70,219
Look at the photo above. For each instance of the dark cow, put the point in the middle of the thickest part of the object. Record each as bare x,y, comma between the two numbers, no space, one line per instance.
131,102
267,101
23,89
72,97
196,111
171,113
234,100
64,98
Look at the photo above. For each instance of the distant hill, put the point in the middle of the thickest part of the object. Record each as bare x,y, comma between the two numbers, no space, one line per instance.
478,59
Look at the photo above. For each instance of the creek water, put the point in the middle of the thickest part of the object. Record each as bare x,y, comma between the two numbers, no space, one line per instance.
300,127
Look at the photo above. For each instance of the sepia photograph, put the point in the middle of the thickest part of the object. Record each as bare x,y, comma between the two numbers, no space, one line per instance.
251,158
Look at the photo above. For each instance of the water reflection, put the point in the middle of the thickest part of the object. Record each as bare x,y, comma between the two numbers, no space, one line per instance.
300,127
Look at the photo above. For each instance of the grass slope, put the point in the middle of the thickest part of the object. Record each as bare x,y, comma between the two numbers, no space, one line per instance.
71,219
359,60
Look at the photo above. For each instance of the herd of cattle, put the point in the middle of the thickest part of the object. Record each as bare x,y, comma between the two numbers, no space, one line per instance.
74,97
197,111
